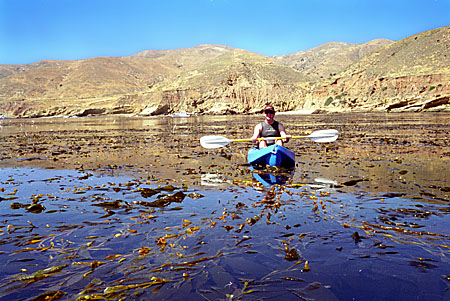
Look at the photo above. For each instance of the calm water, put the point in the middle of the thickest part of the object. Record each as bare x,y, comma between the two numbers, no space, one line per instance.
135,208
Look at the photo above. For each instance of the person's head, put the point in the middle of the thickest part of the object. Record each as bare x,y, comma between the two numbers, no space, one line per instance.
269,112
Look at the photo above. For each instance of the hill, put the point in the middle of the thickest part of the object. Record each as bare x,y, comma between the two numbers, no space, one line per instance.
411,74
329,59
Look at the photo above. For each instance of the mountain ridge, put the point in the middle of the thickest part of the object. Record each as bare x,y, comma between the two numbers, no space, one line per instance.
411,74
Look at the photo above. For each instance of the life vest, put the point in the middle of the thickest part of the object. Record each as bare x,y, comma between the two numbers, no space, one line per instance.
270,130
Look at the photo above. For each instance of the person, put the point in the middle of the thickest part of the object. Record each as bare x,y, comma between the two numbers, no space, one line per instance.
269,128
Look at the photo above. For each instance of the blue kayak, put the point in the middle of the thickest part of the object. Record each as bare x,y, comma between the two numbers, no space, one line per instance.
273,155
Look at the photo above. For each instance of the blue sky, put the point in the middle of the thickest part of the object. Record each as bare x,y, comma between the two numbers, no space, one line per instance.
35,30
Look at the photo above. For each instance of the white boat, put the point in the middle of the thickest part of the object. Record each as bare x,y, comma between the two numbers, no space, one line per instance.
181,114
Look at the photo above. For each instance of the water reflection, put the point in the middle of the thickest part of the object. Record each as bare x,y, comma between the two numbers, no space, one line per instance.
135,208
268,177
212,180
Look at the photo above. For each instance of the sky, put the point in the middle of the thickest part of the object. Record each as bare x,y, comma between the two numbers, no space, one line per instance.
34,30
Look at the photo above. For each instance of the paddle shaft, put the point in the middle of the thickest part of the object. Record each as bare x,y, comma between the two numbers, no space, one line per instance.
317,136
268,138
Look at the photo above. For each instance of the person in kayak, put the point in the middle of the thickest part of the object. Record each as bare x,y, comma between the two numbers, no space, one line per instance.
269,128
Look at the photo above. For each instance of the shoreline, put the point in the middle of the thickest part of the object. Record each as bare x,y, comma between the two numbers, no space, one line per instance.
296,112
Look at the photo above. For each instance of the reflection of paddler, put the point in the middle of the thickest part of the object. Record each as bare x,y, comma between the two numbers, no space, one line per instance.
267,178
270,196
269,200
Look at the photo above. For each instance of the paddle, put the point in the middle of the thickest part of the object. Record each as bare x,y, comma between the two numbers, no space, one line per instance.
317,136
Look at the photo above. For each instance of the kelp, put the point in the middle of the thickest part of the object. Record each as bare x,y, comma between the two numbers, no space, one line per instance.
38,275
142,213
117,292
164,200
49,296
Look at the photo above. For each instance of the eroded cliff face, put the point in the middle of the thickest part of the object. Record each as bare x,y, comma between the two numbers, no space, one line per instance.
221,100
355,93
361,93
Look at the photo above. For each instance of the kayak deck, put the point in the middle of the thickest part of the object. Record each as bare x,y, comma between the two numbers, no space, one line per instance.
273,155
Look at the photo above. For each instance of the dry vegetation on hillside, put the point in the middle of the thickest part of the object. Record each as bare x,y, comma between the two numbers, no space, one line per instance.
411,74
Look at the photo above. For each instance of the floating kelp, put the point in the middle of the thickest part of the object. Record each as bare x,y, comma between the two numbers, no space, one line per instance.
112,205
164,201
147,192
143,212
41,274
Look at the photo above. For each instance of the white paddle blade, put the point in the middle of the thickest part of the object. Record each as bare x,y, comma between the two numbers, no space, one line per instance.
324,136
214,141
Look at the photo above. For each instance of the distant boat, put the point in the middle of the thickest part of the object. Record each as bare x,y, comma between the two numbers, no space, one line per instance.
181,114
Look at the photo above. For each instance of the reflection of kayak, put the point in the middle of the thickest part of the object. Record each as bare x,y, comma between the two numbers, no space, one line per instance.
269,179
274,155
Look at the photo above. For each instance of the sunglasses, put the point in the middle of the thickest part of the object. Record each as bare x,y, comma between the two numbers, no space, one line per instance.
269,112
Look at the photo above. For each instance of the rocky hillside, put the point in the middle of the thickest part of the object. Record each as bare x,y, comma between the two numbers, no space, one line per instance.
329,59
411,74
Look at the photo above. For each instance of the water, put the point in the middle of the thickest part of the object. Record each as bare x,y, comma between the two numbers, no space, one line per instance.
117,207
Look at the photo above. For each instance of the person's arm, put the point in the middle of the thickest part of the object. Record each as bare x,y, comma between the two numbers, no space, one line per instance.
282,131
256,132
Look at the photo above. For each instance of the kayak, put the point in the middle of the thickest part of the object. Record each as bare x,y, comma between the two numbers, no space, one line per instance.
273,155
